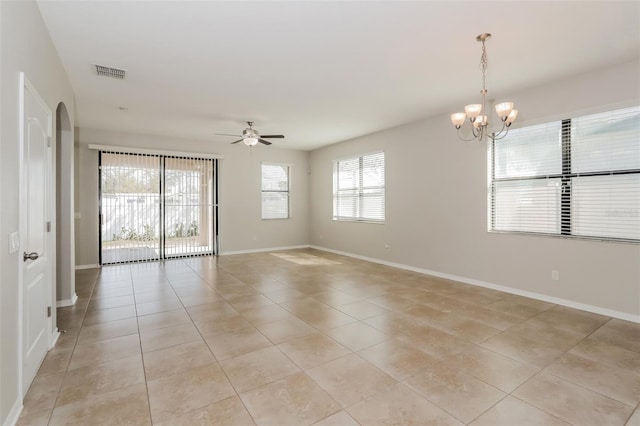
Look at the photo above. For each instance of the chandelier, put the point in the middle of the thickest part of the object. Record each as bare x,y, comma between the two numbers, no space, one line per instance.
477,112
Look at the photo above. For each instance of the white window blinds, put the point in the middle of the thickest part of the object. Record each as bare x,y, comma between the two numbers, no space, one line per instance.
275,191
605,167
359,188
575,177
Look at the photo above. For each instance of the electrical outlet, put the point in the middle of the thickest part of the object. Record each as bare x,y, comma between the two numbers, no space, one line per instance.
555,275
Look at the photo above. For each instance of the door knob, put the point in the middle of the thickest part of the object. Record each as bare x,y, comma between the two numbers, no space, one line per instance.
30,256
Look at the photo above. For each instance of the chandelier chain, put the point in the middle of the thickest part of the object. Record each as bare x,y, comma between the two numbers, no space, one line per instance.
484,65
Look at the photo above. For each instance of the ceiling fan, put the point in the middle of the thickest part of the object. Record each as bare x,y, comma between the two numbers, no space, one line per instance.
250,136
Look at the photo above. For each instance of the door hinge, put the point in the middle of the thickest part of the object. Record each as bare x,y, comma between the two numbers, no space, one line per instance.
48,141
48,311
48,226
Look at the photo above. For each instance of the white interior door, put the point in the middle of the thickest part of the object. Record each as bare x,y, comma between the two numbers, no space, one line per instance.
35,211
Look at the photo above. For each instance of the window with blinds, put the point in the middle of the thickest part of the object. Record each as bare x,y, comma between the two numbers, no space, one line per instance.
358,188
576,177
275,191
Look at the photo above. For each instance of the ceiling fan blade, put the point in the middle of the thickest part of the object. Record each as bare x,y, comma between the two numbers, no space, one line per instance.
239,140
225,134
264,142
272,136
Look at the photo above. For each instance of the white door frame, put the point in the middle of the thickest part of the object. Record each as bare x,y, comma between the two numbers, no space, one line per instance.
53,333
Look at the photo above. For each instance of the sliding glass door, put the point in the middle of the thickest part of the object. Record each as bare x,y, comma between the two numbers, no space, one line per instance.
155,207
188,206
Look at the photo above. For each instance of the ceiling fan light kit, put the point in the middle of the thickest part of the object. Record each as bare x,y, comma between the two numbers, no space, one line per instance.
477,112
251,137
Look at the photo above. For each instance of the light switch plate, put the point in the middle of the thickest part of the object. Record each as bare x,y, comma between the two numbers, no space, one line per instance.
77,215
14,242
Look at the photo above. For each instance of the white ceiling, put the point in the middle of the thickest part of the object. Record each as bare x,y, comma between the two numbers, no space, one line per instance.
319,72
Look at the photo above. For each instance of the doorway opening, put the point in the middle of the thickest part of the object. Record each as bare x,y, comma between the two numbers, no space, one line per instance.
156,207
64,225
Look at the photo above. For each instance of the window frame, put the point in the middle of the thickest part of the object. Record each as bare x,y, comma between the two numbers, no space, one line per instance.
566,177
270,191
360,189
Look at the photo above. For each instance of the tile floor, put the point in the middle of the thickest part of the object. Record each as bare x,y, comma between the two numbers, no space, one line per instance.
306,337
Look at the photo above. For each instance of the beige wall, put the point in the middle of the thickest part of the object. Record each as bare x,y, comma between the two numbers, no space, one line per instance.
25,46
241,227
436,205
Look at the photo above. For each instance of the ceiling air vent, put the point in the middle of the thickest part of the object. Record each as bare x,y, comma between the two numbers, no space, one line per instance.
110,72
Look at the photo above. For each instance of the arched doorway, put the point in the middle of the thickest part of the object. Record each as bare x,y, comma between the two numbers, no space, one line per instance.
65,246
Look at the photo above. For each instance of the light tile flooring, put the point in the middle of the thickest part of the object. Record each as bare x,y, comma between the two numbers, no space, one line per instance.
306,337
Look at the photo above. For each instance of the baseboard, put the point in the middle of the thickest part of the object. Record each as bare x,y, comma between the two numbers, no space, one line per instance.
14,414
67,302
261,250
78,267
54,340
532,295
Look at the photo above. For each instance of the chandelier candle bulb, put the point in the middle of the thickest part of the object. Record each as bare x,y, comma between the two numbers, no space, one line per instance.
480,121
504,109
473,110
458,119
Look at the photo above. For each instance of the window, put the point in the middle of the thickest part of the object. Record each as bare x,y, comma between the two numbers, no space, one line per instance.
575,177
275,191
358,188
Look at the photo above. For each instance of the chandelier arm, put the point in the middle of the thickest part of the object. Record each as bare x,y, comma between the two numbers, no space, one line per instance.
480,133
497,137
466,140
502,132
477,134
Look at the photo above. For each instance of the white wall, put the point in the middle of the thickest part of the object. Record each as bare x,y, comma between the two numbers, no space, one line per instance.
241,227
25,46
436,204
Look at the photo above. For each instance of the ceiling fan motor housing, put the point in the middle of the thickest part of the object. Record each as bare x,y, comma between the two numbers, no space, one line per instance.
250,133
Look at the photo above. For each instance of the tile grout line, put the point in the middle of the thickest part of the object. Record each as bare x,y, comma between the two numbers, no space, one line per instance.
144,370
542,370
237,394
75,344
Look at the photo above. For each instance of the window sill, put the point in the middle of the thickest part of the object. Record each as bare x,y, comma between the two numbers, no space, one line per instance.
566,237
374,222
